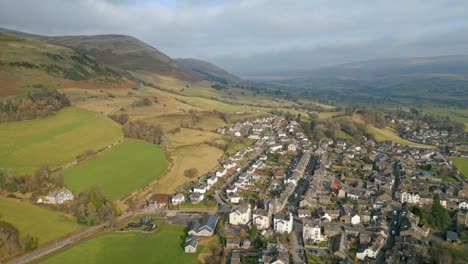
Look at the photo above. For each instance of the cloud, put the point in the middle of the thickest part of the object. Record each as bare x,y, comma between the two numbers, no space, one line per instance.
255,36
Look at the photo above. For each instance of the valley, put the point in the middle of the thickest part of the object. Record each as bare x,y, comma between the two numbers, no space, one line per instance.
139,130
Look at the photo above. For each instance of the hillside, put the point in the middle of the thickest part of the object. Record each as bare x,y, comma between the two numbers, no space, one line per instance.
125,52
26,63
120,51
208,70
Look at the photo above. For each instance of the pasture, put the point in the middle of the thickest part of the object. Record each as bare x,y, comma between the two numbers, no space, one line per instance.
163,246
461,164
54,140
36,221
119,170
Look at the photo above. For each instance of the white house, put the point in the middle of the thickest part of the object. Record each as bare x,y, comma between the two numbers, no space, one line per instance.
212,180
292,147
191,243
221,172
372,250
463,205
257,164
262,219
355,219
58,197
283,223
409,197
276,148
201,188
229,166
178,199
312,232
196,198
232,189
235,199
238,134
240,215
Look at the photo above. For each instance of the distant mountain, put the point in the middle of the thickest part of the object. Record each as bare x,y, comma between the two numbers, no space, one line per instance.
439,81
124,52
441,66
208,70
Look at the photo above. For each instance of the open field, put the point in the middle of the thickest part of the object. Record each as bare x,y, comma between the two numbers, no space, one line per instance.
113,100
202,157
36,221
120,170
326,115
54,140
163,246
461,164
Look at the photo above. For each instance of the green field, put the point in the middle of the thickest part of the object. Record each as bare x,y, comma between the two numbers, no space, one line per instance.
120,170
461,164
163,246
54,140
36,221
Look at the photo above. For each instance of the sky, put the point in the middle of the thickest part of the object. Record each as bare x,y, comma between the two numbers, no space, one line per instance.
258,37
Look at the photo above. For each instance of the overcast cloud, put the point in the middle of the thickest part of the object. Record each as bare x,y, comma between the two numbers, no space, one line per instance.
258,36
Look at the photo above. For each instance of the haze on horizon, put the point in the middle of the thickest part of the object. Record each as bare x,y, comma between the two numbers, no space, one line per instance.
249,37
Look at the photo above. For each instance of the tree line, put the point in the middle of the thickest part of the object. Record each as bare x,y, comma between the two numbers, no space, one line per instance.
139,129
37,103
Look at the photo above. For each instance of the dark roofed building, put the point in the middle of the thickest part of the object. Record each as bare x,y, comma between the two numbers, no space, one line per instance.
191,243
205,226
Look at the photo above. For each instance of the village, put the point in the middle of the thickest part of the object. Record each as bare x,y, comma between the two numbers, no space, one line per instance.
282,199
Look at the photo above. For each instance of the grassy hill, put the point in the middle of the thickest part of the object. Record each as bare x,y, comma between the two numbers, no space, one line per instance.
26,63
120,170
55,140
461,164
125,52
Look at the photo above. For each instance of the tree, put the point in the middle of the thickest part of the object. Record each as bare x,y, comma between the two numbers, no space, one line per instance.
31,243
440,217
191,173
253,231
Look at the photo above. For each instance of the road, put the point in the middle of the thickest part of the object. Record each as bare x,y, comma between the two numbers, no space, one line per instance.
298,251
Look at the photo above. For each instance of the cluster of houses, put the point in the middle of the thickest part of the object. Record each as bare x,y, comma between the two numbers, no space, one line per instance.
59,196
424,133
360,196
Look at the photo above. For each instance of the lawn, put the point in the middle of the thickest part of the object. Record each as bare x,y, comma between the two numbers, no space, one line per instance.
314,259
163,246
120,170
54,140
36,221
461,164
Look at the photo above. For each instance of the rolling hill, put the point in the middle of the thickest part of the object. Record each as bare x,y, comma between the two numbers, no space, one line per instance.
208,70
26,63
118,51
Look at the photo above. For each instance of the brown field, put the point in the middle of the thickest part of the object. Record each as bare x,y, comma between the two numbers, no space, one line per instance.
202,157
